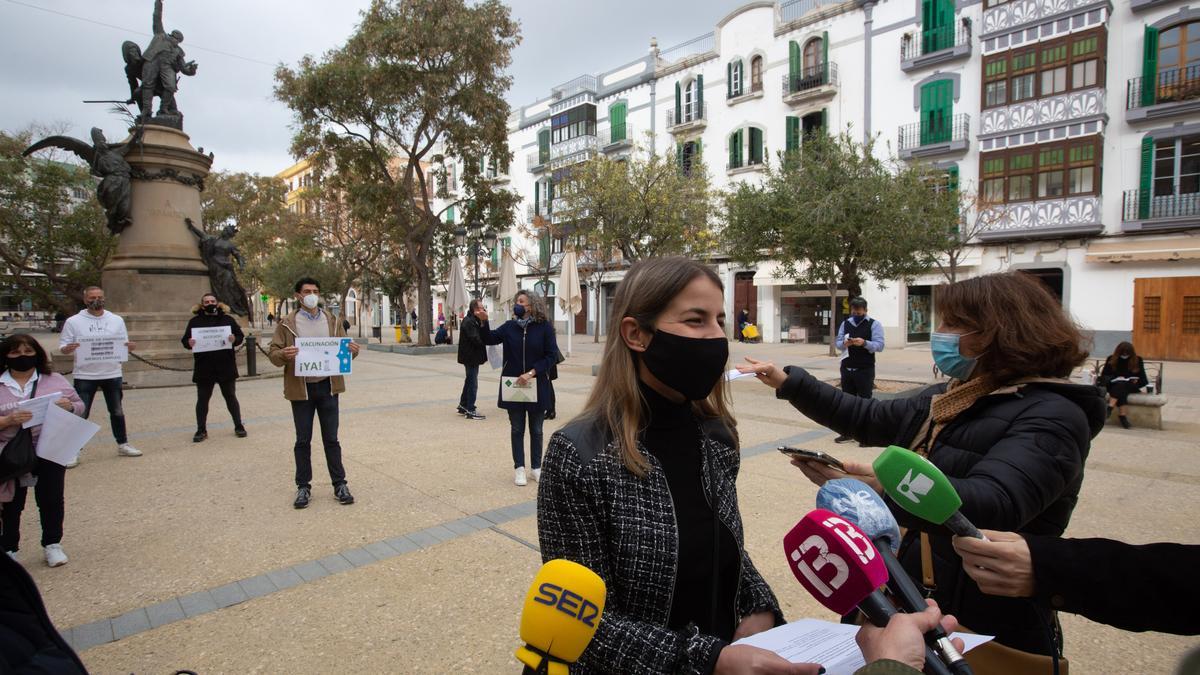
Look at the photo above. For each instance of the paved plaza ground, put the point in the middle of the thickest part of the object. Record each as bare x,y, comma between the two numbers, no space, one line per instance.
193,557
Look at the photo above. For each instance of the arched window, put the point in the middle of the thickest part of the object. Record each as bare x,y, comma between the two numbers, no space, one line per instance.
735,76
814,56
1178,68
689,101
756,64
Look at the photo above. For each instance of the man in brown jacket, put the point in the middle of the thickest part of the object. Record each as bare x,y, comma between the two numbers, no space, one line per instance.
310,395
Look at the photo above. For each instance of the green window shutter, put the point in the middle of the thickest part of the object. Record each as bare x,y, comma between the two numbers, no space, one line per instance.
544,249
699,112
450,215
825,120
543,146
793,63
549,195
1150,66
825,57
616,122
952,178
792,136
537,197
729,80
1146,184
496,255
678,104
756,146
679,155
937,107
699,149
735,149
928,27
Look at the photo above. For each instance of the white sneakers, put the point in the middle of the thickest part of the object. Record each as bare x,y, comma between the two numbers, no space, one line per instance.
537,474
519,479
55,556
127,450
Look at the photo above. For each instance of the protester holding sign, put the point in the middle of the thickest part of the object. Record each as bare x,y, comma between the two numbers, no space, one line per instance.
529,350
100,343
25,373
212,335
317,392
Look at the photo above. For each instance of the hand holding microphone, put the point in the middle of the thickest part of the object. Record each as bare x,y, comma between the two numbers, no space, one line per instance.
857,502
561,614
920,488
902,640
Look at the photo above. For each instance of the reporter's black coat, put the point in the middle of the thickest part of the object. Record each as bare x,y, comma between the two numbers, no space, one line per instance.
1016,461
1135,588
29,642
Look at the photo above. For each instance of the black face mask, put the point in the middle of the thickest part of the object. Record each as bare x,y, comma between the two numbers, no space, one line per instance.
211,309
690,366
22,363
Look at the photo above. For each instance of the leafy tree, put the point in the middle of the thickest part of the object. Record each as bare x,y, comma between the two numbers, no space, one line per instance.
642,205
834,212
416,75
975,216
53,240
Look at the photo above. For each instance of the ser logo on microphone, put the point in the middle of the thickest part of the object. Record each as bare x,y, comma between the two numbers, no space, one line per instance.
568,602
859,544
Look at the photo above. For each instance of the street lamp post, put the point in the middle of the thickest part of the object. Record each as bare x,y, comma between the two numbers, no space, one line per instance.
478,243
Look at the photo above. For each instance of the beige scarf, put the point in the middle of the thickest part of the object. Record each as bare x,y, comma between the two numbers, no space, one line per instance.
959,397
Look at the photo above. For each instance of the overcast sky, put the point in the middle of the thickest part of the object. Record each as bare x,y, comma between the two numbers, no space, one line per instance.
56,53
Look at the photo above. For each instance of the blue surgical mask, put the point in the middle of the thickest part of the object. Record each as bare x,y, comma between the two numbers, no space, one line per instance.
519,311
948,358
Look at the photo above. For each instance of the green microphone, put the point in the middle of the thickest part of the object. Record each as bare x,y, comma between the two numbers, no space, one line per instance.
920,488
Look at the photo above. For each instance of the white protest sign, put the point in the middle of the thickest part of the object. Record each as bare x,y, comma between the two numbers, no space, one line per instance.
322,357
211,339
102,350
37,408
63,435
513,392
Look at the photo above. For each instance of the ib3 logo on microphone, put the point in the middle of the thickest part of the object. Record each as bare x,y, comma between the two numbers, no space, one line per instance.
833,559
568,602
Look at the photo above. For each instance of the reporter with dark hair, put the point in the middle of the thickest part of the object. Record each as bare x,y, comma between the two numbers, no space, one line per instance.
26,374
1009,430
1131,587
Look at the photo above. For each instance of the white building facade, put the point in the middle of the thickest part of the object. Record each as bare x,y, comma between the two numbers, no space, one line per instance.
1079,120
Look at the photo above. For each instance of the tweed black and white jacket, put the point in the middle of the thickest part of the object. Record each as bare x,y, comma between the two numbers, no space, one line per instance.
594,511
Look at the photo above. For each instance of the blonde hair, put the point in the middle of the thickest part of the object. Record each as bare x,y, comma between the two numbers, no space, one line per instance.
616,400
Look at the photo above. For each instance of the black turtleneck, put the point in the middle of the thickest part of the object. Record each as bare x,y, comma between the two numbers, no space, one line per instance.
672,435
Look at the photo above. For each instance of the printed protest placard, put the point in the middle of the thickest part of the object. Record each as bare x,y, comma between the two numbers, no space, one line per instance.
102,350
322,357
211,339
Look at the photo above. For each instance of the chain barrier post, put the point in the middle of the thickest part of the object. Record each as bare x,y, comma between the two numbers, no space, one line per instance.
251,357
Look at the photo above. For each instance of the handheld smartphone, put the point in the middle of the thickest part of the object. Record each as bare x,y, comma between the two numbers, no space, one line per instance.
813,456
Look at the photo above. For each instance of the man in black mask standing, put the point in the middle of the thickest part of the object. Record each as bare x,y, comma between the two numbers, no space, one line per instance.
213,366
859,338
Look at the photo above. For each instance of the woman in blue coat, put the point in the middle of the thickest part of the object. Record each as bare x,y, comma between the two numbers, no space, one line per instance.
529,349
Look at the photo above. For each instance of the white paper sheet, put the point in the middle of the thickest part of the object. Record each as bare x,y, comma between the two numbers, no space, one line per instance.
63,435
511,392
37,407
102,350
736,374
211,339
830,644
322,357
495,356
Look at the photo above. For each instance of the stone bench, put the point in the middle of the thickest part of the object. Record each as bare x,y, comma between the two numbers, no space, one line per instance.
1145,411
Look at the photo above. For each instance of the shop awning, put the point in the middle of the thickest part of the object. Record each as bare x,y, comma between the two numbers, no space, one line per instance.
1133,250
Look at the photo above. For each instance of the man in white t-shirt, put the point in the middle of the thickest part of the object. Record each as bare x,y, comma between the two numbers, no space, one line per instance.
105,376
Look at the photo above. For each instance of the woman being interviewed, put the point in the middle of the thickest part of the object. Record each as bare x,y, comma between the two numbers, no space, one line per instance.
529,350
1009,430
630,486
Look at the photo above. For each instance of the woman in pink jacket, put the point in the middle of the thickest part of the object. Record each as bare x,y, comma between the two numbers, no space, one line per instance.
24,365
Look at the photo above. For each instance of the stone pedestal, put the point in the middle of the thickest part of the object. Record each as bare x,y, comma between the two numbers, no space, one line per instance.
156,275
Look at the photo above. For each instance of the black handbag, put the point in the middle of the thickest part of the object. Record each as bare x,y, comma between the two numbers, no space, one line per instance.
19,455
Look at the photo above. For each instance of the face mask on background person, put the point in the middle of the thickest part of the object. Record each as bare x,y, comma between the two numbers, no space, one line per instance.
22,363
96,304
519,311
211,309
948,358
310,301
690,366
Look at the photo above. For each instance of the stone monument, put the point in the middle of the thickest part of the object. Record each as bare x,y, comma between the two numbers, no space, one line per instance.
150,189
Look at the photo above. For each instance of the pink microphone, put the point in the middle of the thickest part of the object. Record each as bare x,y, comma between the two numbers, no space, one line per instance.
834,560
